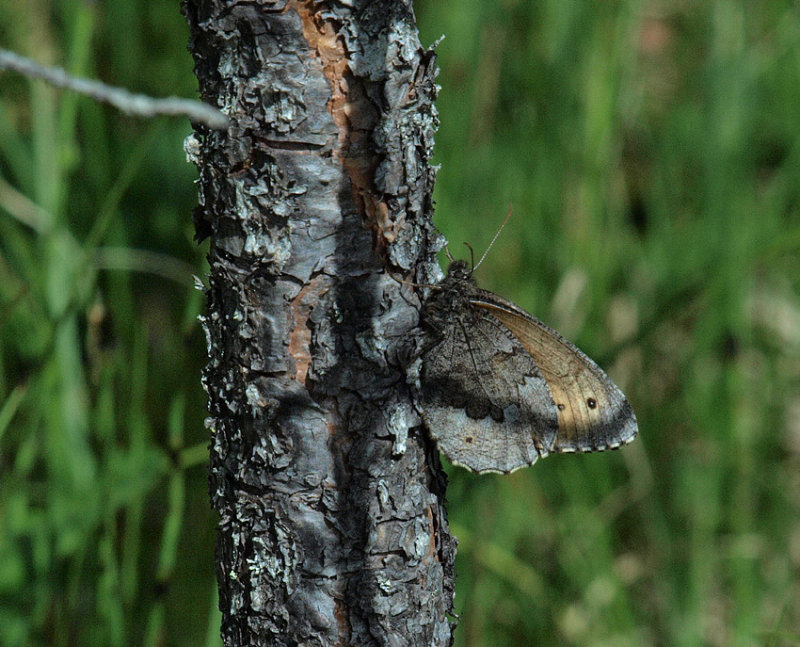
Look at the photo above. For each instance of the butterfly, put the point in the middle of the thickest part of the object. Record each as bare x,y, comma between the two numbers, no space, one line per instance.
499,388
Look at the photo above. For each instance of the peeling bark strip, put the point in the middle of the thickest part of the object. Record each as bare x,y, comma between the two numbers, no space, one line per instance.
332,529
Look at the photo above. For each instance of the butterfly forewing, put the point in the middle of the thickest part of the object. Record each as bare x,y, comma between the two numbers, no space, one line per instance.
593,414
499,389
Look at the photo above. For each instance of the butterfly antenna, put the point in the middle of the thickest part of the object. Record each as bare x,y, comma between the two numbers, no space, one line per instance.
471,256
508,215
447,251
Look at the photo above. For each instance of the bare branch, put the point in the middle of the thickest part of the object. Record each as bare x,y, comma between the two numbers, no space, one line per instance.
139,105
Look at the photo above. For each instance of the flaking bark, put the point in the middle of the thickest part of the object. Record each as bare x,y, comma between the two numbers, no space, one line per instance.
332,527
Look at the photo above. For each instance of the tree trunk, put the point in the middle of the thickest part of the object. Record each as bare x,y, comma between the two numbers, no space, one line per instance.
332,529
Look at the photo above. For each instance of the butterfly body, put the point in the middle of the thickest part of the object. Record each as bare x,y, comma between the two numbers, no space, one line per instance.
499,388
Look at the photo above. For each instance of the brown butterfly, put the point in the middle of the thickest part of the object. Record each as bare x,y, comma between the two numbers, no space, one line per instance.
499,388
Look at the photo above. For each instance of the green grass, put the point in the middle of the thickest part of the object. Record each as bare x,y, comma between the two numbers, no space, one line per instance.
652,160
106,536
652,155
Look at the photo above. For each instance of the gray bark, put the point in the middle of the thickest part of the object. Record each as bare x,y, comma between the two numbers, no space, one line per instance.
332,526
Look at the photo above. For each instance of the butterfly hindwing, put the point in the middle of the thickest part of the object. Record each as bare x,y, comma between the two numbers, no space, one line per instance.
499,388
484,400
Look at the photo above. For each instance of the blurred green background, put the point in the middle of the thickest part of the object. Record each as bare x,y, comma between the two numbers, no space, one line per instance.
651,151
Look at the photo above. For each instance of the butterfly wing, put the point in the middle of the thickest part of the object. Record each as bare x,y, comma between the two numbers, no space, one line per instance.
483,398
593,414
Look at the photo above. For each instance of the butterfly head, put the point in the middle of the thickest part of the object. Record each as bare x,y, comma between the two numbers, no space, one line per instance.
460,271
449,296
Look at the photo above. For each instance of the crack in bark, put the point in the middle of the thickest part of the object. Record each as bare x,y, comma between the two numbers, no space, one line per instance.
353,112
